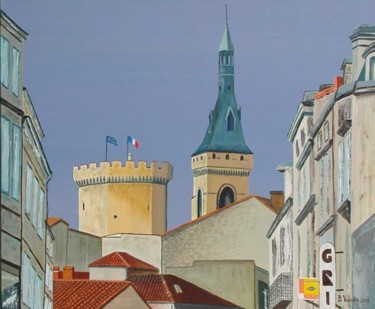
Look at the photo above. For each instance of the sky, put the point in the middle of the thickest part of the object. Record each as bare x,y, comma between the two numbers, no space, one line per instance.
149,69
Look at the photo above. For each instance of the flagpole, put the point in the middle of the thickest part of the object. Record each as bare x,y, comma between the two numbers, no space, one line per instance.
106,148
127,149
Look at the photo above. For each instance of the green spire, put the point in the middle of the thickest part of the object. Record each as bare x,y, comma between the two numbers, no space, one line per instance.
226,41
224,132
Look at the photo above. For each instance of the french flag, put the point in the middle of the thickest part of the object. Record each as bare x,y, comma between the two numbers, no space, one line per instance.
133,141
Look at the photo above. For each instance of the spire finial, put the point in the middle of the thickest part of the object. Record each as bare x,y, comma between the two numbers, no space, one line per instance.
226,14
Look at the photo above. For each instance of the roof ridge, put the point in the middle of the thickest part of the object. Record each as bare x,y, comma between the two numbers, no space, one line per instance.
258,197
167,288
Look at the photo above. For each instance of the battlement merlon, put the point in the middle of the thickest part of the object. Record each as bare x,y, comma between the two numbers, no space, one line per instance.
117,172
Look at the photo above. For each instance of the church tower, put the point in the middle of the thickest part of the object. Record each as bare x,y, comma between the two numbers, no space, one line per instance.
222,163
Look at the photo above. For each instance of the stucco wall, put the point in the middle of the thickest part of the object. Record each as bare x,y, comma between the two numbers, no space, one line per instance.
232,280
237,232
74,248
144,247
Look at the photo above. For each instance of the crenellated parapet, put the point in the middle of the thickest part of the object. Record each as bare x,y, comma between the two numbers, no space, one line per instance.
117,172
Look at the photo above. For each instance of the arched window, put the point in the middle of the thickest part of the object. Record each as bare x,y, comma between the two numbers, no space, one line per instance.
242,158
227,157
226,197
214,156
199,204
230,121
372,69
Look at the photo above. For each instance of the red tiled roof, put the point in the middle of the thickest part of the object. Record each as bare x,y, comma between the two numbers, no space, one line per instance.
265,201
53,220
85,293
171,289
122,259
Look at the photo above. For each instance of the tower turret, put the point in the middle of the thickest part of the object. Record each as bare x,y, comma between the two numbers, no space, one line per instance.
222,163
116,198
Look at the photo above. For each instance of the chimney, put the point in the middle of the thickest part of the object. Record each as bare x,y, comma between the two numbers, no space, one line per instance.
277,200
68,273
56,273
362,37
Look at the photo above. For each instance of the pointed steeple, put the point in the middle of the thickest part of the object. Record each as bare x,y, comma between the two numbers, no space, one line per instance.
224,132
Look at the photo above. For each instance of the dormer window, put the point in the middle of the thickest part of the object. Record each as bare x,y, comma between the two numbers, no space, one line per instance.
230,121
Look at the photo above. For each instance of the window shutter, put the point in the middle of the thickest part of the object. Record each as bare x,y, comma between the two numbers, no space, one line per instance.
15,72
4,61
5,154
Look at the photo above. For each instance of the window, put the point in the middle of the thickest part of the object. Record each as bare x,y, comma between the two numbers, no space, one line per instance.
4,61
29,178
214,156
230,121
41,214
282,246
372,68
274,253
15,73
227,157
16,168
303,138
9,286
297,149
226,197
326,131
5,154
344,170
199,204
32,284
10,159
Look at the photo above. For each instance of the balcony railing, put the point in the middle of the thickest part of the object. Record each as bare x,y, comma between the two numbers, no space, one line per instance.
281,291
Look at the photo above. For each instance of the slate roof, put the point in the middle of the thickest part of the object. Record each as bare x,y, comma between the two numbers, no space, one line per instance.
172,289
122,259
85,293
218,138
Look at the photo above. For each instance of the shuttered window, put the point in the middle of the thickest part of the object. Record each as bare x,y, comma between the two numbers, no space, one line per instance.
5,154
4,61
16,166
15,71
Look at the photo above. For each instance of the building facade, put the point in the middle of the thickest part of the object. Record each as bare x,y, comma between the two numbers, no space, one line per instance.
222,163
116,198
25,173
12,39
333,138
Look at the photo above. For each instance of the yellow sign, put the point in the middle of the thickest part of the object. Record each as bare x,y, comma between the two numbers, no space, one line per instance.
308,288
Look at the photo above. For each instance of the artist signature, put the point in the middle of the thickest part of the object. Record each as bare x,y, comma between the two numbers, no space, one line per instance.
347,299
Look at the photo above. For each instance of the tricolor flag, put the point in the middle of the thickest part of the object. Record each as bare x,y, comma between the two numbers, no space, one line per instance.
133,141
111,140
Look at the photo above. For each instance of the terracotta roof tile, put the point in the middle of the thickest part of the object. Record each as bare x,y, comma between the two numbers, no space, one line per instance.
53,220
265,201
169,288
85,293
122,259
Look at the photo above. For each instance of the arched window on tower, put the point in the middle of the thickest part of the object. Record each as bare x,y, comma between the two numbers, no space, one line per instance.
199,204
230,121
372,69
226,197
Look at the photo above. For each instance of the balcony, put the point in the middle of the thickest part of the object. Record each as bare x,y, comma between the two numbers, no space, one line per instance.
281,291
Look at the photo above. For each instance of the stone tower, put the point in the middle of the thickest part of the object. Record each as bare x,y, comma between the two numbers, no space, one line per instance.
115,198
222,163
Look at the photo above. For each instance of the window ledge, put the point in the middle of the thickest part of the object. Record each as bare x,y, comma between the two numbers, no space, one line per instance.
306,210
345,126
326,226
324,150
344,210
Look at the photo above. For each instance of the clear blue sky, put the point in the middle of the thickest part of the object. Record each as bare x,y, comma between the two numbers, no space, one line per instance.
149,69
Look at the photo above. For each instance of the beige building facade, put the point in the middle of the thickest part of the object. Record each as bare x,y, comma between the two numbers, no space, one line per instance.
333,168
122,198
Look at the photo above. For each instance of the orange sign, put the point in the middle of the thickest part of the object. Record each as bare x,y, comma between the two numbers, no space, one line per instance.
308,288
